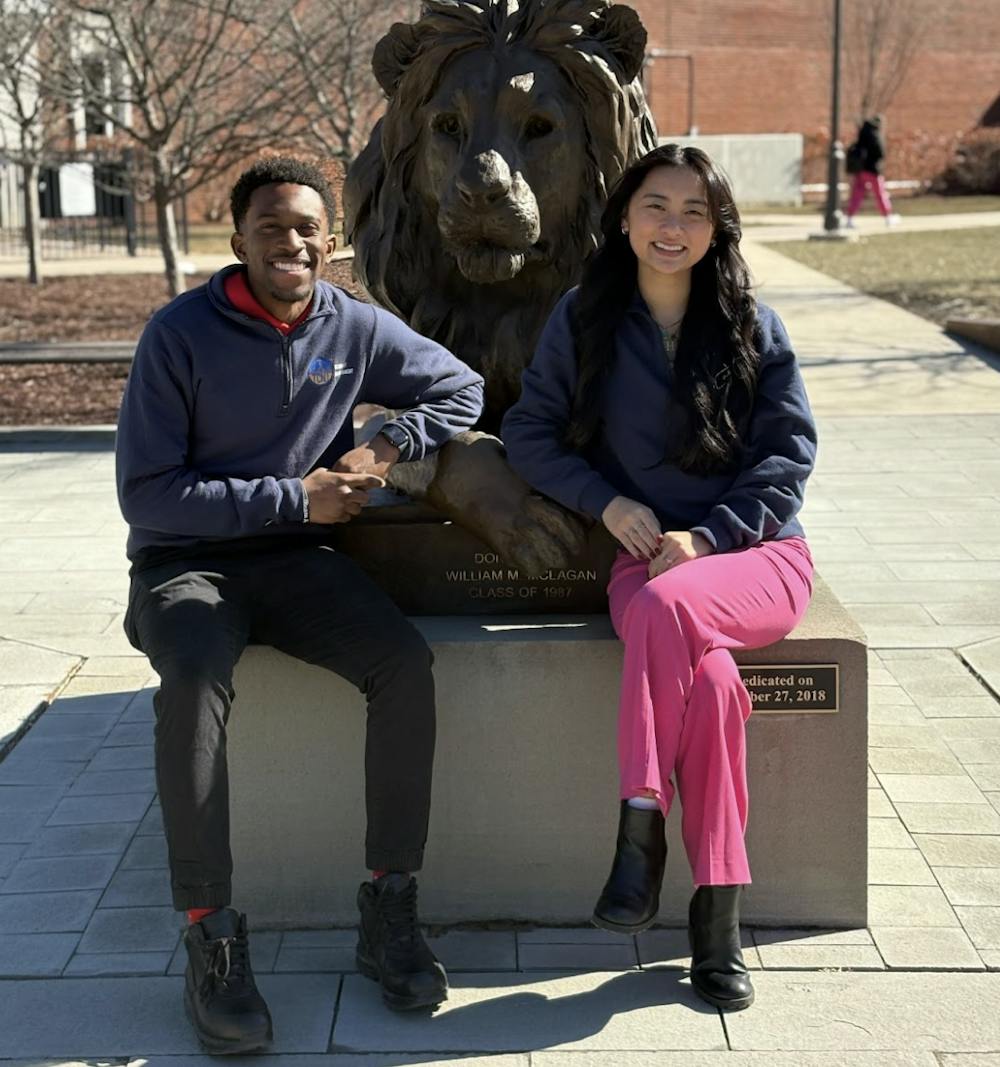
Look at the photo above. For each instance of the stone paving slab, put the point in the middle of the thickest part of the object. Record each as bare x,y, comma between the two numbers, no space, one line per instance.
115,1017
840,1013
510,1013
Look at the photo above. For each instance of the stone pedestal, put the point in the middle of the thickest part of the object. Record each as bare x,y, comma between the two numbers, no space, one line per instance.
525,790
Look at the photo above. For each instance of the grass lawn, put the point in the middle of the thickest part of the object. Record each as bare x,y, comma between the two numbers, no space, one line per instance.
940,274
904,205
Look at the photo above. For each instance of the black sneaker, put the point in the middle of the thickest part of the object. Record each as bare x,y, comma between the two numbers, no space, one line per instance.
391,948
220,996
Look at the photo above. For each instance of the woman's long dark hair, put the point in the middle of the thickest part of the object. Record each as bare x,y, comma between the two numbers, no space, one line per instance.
717,361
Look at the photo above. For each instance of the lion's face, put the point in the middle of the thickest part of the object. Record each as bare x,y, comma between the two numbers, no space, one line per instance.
502,156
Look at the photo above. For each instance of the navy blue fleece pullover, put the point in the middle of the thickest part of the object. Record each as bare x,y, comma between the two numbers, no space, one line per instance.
223,416
758,502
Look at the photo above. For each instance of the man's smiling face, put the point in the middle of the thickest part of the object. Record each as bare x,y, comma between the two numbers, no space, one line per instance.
284,240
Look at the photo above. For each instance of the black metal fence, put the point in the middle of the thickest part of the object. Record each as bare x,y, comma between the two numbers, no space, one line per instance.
122,223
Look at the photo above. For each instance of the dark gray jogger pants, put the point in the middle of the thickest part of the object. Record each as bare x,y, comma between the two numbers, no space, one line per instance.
193,618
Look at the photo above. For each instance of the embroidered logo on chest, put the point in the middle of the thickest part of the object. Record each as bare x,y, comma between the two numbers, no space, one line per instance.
323,371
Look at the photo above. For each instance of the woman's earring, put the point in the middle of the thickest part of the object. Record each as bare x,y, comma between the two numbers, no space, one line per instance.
624,229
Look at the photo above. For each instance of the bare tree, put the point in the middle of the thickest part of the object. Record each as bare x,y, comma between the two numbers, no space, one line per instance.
194,85
26,129
881,38
332,43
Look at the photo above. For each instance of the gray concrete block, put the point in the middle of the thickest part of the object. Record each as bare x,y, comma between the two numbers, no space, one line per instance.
55,874
107,965
138,889
25,771
42,913
508,699
927,948
735,1059
982,924
898,866
813,957
476,950
970,885
21,827
9,856
124,807
113,930
146,853
510,1013
130,758
80,697
960,850
15,799
81,840
949,818
110,783
910,905
130,733
620,957
930,788
99,1018
35,955
847,1012
152,821
317,960
69,749
53,726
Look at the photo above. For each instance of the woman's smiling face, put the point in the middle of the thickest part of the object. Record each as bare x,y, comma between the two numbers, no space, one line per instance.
668,222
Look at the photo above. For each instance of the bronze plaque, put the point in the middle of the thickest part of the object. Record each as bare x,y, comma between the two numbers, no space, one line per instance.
797,687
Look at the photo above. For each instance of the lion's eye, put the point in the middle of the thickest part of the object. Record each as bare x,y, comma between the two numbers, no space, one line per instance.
447,124
536,127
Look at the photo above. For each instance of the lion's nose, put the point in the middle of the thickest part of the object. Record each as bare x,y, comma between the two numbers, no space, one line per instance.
486,181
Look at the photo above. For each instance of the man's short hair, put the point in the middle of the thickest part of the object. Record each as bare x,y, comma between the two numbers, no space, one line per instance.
278,170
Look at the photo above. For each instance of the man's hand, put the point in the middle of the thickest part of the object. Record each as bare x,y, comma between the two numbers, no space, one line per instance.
336,497
634,525
678,546
376,457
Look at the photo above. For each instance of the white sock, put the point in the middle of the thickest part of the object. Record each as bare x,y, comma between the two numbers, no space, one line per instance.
646,803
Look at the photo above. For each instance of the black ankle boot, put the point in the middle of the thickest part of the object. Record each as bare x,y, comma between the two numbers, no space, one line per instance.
221,998
718,972
631,896
391,948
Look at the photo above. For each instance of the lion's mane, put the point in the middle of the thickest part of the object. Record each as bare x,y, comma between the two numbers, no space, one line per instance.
597,47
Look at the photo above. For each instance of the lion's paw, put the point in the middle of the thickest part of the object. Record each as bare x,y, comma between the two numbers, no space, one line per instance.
543,536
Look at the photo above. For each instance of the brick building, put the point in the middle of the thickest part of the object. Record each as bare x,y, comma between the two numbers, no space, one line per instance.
765,67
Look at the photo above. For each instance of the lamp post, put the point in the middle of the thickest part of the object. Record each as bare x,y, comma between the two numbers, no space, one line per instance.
831,220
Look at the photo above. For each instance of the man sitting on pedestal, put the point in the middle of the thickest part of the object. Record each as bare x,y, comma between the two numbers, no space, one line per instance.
235,453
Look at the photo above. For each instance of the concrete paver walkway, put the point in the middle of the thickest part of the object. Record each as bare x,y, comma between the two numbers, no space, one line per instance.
903,515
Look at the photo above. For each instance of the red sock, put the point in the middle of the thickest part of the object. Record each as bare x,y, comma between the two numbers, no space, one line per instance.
378,874
195,915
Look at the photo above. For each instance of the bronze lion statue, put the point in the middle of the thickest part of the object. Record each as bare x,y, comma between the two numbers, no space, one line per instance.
475,204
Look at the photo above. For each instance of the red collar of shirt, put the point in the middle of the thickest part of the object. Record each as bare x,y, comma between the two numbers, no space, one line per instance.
239,295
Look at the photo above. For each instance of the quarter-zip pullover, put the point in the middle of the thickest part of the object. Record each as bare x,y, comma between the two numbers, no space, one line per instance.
223,416
639,428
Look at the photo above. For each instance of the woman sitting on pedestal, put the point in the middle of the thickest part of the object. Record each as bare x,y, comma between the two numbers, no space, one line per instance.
666,402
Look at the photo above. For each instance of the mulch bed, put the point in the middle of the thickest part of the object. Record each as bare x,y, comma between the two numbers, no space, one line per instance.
98,308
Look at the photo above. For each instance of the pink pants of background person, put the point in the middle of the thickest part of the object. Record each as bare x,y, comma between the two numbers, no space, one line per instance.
683,705
862,183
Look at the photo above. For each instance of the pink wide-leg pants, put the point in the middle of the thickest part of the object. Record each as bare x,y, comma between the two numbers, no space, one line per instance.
683,706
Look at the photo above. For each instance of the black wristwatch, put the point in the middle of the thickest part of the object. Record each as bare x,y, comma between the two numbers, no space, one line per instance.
397,436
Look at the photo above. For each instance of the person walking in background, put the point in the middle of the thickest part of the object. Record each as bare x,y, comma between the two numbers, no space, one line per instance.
665,402
864,162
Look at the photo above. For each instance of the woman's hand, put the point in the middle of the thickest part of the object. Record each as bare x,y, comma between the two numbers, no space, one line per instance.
633,525
678,546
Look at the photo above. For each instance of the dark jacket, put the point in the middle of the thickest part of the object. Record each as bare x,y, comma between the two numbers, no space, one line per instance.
758,502
223,416
872,148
